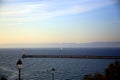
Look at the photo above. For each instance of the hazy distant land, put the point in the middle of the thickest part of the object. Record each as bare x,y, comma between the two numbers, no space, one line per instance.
65,45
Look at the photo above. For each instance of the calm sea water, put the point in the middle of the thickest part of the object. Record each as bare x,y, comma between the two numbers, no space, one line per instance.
66,69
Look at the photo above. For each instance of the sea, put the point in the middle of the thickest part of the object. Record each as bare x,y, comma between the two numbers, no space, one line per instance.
65,68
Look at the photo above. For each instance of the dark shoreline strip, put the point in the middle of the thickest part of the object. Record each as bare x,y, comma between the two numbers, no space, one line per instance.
70,56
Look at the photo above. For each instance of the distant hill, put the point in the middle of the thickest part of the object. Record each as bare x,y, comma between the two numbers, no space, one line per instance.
65,45
89,45
100,44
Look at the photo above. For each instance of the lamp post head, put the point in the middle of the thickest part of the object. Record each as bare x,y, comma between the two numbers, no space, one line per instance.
19,64
52,71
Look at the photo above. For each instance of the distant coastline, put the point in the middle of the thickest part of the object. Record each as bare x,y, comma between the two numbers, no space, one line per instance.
65,45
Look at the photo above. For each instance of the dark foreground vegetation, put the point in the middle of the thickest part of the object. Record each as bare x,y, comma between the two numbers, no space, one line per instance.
112,72
3,77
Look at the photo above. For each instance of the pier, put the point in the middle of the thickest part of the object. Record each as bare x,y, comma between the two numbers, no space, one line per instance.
70,56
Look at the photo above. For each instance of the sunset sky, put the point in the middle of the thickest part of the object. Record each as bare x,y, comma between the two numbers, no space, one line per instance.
59,21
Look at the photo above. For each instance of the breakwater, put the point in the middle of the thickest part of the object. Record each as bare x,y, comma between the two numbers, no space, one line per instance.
70,56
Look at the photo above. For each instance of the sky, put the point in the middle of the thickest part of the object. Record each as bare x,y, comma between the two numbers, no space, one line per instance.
59,21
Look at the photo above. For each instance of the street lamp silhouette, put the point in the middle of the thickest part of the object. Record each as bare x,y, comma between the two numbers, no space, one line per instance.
19,65
52,72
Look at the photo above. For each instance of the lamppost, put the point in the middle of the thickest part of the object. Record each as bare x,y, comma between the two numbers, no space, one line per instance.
52,72
19,65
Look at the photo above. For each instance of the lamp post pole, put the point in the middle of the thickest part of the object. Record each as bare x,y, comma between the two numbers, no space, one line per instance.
19,65
52,76
19,73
